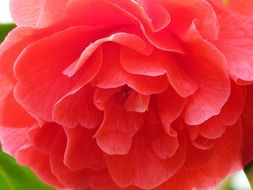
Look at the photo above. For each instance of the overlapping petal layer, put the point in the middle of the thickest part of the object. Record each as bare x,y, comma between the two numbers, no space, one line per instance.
128,94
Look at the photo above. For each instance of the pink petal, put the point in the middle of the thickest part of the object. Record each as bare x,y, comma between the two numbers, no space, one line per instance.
43,137
103,181
198,158
169,106
117,77
78,180
13,115
235,6
141,166
163,144
101,96
81,12
39,13
227,150
14,44
82,151
13,139
78,109
164,40
214,88
158,14
236,44
198,10
180,80
230,113
125,39
25,12
160,39
40,81
51,12
114,136
137,102
136,63
39,163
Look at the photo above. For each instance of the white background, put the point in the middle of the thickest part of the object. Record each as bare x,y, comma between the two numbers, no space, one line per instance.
4,11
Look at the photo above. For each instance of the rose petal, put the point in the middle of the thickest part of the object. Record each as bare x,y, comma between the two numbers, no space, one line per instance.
39,70
136,63
114,136
169,106
137,102
101,96
43,137
25,12
141,166
82,151
117,77
51,12
214,88
230,113
212,173
158,14
236,44
13,139
198,158
39,163
81,12
125,39
78,109
13,115
80,179
163,144
235,6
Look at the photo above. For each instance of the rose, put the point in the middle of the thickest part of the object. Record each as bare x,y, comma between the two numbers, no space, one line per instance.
127,94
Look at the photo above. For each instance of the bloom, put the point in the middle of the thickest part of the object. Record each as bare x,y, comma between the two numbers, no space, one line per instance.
128,94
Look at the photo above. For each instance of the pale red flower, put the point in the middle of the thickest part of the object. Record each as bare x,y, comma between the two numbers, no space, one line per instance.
128,94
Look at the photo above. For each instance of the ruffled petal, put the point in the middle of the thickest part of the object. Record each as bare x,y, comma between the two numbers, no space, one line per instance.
136,63
163,144
115,134
137,102
39,70
230,113
227,150
142,167
214,89
117,77
236,44
169,106
78,180
78,108
82,151
159,16
132,41
39,163
43,137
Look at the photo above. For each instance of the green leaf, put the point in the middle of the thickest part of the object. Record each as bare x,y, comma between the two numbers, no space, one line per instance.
248,170
15,177
5,29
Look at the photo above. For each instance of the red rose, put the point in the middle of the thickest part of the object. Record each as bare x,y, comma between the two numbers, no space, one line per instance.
128,94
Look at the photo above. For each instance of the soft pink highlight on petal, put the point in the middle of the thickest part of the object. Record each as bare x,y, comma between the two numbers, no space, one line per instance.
128,94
